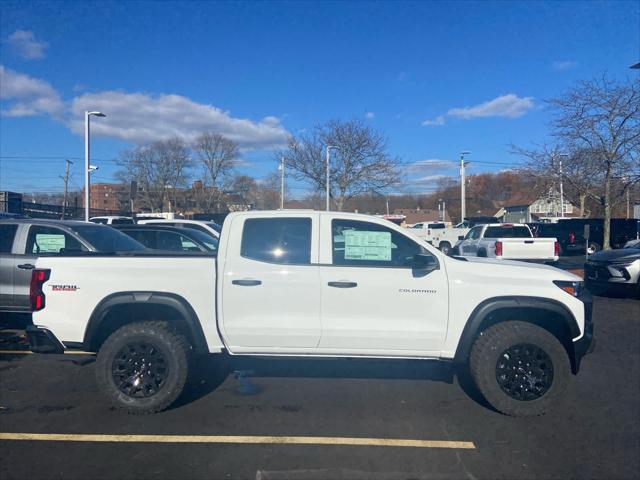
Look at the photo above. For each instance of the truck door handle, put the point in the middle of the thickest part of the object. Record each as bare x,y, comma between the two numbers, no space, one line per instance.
26,266
342,284
247,283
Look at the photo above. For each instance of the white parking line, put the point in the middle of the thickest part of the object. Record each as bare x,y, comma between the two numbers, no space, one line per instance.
242,439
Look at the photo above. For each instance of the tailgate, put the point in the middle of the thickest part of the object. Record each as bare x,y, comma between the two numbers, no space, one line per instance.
528,248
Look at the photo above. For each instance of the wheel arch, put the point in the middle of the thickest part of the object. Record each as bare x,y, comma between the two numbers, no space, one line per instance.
122,308
546,313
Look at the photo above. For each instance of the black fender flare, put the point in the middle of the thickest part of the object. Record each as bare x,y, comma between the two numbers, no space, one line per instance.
491,305
170,300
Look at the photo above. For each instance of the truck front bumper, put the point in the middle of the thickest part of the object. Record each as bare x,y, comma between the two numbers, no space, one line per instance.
41,340
586,343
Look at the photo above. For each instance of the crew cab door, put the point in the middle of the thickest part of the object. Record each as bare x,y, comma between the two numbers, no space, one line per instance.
373,302
469,246
7,235
270,296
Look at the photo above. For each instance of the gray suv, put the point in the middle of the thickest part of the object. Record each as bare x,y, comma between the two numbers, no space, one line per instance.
22,241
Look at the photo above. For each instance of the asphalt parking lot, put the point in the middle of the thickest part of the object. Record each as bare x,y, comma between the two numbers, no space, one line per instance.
594,434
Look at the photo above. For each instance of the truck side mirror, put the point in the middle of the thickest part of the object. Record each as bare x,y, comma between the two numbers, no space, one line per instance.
460,237
423,264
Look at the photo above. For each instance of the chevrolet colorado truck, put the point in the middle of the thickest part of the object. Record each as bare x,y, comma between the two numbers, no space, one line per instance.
507,241
313,284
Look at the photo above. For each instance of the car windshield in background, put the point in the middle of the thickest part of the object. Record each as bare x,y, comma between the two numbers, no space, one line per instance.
507,232
210,242
106,239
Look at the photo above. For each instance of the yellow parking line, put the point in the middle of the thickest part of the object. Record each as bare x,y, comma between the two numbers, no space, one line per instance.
29,352
368,442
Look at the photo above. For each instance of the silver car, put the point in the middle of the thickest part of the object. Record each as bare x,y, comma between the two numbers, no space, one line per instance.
616,271
22,241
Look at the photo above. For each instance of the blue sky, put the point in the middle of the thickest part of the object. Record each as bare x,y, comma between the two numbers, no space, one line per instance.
435,77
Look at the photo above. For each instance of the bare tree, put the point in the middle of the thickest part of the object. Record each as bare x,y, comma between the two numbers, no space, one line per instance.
359,160
159,168
603,117
217,156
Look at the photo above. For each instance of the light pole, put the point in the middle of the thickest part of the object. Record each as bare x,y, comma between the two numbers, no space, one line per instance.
87,166
329,147
553,160
462,193
281,168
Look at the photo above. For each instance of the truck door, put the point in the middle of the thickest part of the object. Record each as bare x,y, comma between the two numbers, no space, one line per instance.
270,293
7,235
373,302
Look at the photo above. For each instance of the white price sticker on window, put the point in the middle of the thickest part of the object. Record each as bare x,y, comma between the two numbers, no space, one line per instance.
363,245
49,243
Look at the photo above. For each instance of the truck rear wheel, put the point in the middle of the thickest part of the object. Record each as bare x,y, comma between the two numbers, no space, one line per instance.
142,367
521,369
445,247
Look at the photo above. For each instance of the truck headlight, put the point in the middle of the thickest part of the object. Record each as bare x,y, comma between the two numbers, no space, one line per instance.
572,288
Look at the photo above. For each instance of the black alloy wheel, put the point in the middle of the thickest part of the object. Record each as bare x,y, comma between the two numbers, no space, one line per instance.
524,372
139,369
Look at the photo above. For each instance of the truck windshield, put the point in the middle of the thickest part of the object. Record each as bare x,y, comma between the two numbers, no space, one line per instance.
507,232
106,239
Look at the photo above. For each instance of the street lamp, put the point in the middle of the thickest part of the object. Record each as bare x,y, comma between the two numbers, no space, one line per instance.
462,192
329,147
87,166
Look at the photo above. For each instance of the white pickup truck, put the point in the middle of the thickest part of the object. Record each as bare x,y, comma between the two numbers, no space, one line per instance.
507,241
313,284
438,234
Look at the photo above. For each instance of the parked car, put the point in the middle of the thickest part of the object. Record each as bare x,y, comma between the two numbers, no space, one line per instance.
161,237
113,220
212,228
315,284
507,241
22,241
438,234
632,244
614,271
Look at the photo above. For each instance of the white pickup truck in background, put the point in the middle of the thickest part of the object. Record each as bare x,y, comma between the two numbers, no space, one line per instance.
507,241
313,284
439,234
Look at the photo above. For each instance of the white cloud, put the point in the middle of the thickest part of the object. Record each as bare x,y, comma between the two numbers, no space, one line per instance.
25,96
143,118
564,64
369,115
427,171
24,44
510,106
439,120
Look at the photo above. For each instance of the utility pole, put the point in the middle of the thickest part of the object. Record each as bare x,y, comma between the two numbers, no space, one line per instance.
66,181
329,147
561,190
282,183
462,185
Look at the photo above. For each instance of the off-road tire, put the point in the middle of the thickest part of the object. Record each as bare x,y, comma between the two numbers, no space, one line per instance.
482,252
171,345
487,351
445,247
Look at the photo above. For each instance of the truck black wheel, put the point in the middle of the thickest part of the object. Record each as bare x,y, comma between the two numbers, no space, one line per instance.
445,247
142,367
521,369
482,252
593,247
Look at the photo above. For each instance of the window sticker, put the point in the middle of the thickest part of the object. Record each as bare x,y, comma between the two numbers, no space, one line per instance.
363,245
48,243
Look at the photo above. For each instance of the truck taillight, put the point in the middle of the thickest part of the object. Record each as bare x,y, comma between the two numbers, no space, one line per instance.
36,295
498,249
556,249
572,237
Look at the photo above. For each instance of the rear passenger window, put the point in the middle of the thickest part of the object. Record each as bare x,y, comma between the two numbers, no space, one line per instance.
7,234
277,240
49,240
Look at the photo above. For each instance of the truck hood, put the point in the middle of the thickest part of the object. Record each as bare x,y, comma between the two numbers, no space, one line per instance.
525,268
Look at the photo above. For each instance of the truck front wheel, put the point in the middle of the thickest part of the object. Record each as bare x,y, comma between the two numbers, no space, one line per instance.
521,369
142,367
445,247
